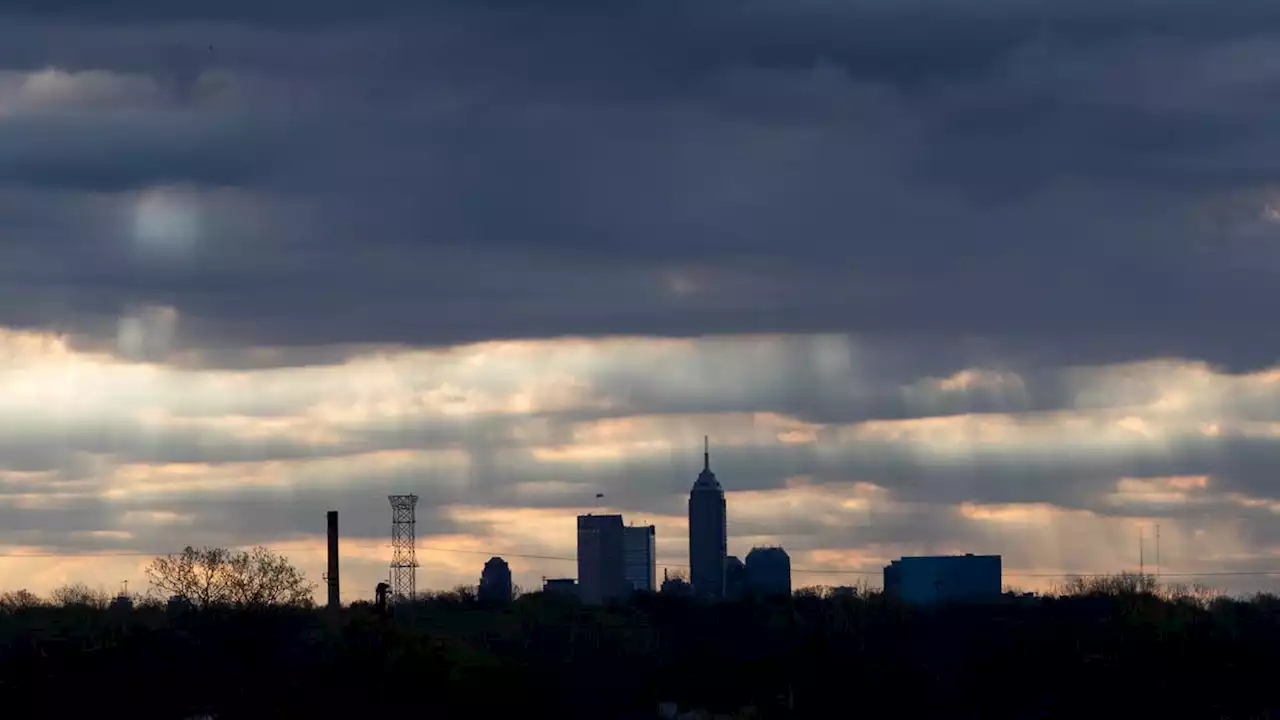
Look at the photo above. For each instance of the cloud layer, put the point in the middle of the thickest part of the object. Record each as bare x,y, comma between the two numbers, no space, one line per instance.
963,274
505,442
1071,180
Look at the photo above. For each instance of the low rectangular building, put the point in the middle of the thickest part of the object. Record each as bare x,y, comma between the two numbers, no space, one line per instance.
947,578
566,587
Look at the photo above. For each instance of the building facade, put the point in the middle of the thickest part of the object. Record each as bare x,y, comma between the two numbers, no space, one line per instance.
495,582
735,578
708,532
950,578
564,587
601,559
640,564
768,571
675,585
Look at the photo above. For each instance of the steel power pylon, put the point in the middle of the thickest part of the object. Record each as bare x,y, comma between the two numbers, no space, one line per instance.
404,559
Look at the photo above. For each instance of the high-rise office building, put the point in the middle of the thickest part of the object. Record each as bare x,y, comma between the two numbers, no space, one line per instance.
601,558
640,565
708,532
768,571
495,582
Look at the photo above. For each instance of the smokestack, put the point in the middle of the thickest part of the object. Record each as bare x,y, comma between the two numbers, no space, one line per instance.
335,597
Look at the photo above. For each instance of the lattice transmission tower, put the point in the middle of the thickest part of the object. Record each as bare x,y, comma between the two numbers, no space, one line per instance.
404,559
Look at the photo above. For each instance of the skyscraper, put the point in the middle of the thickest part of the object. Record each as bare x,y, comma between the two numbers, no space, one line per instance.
601,558
768,571
495,582
708,531
638,545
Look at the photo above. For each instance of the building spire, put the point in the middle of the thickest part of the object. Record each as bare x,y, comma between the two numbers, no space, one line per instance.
706,453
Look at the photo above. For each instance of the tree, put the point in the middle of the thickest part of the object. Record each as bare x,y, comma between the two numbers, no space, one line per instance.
79,594
216,576
19,600
1124,584
261,578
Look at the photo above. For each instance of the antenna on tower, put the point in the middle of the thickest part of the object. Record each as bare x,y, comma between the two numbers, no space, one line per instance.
404,560
1157,551
1142,546
706,453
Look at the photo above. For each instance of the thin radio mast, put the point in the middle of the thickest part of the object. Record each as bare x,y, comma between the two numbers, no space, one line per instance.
1157,551
1142,546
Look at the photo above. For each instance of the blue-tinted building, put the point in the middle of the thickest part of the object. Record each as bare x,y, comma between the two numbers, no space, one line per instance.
949,578
768,571
640,565
495,582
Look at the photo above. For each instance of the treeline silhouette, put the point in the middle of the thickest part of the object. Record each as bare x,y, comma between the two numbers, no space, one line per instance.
1098,647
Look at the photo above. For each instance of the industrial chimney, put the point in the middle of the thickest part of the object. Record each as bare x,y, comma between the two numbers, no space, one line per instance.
335,597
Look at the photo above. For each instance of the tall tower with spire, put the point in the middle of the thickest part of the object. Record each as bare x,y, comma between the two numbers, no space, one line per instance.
708,531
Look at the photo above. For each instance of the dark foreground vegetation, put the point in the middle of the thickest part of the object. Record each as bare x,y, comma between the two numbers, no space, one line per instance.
1101,650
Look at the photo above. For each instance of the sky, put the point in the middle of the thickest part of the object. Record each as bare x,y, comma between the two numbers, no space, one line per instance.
989,276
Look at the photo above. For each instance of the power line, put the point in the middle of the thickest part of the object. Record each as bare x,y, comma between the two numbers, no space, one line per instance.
841,571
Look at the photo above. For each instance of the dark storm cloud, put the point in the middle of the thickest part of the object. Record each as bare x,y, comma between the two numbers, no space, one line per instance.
39,525
1051,176
122,153
42,446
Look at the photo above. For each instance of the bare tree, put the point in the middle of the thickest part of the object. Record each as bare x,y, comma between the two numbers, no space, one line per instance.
1197,594
1128,584
82,595
200,576
864,588
459,594
261,578
19,600
217,576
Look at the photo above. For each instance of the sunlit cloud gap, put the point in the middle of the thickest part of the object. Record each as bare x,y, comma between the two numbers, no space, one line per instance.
826,448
